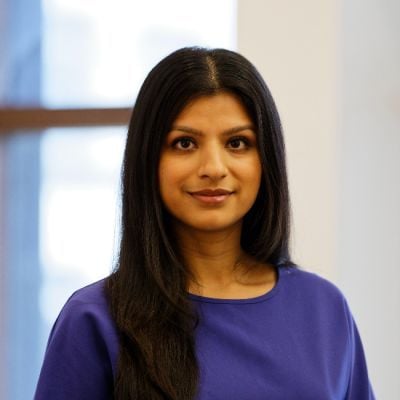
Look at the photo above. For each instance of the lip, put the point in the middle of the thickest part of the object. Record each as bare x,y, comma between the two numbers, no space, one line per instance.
211,192
211,196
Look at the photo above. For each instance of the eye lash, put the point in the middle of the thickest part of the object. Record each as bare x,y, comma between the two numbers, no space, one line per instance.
244,139
180,139
246,142
176,140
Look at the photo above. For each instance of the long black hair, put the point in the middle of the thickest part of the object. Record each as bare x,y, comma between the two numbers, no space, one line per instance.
147,290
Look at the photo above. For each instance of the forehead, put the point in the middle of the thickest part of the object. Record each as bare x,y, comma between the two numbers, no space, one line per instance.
222,107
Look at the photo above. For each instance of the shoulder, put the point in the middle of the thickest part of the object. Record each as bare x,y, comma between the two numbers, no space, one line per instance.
311,290
313,302
80,359
90,294
319,310
86,312
300,278
87,303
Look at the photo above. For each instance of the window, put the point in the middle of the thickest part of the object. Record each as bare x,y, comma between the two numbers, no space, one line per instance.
59,186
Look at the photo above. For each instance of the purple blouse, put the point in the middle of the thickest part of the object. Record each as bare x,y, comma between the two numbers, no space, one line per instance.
298,341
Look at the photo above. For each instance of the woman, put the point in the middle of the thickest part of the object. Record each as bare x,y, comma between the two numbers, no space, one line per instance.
205,302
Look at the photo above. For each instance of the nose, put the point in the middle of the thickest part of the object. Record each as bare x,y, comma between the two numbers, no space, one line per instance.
212,164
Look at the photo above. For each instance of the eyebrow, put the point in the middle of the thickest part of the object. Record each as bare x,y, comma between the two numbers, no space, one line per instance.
227,132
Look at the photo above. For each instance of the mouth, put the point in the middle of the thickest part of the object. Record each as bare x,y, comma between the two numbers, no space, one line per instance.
211,196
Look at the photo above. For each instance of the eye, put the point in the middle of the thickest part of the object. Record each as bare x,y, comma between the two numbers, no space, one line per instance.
239,143
183,143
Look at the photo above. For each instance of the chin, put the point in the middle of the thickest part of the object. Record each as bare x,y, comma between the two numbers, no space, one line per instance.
214,226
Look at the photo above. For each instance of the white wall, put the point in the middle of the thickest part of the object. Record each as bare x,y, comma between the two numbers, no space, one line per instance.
333,69
369,230
294,46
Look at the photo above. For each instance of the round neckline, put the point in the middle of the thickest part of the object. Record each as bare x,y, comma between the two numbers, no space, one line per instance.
257,299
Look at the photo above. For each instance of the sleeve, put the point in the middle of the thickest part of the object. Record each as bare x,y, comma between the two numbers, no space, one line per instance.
359,387
77,363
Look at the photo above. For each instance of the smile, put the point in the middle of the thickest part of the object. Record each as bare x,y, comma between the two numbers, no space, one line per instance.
211,199
209,196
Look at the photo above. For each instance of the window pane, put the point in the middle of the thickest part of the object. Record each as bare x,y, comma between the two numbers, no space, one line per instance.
98,52
78,210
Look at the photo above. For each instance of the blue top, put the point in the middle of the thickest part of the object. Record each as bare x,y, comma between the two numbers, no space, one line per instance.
298,341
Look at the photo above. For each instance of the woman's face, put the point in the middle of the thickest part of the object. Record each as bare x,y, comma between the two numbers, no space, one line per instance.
210,170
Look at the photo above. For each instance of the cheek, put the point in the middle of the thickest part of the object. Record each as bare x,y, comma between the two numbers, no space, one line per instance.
170,179
251,172
168,172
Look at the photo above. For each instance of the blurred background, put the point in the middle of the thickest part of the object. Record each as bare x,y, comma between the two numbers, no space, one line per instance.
333,68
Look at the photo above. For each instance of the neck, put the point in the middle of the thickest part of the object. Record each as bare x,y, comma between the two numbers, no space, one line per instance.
213,258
